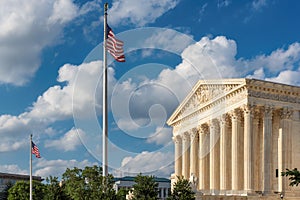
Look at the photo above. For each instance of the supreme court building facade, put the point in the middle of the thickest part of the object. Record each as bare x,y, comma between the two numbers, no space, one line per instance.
234,137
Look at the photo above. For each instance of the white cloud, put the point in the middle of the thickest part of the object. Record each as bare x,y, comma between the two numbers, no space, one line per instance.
45,168
13,169
138,12
162,136
27,27
79,93
149,162
169,40
63,12
287,77
12,133
258,74
9,144
55,104
210,58
68,142
259,4
278,60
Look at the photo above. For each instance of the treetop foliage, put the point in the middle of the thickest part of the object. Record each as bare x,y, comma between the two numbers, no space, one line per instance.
145,188
182,190
294,176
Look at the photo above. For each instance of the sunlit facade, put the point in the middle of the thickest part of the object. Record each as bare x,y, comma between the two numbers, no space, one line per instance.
234,137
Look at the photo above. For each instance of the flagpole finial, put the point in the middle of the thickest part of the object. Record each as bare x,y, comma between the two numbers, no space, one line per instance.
105,7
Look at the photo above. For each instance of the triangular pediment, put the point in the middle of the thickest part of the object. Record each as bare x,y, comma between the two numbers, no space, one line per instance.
204,93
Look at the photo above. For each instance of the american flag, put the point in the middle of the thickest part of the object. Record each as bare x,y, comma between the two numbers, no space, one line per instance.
35,150
114,46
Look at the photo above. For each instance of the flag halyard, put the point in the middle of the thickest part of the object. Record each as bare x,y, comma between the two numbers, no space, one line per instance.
114,46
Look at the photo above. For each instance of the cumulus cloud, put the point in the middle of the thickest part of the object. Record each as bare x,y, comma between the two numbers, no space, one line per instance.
169,40
56,104
258,74
68,142
45,168
149,162
287,77
138,12
162,136
63,12
9,144
13,169
12,130
279,60
27,27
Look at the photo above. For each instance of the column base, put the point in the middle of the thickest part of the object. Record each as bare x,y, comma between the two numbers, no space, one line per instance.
241,193
250,193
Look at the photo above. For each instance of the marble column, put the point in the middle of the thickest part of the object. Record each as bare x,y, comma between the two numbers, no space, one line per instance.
248,141
203,155
235,120
214,159
202,132
256,151
178,155
224,158
194,153
284,147
186,156
267,148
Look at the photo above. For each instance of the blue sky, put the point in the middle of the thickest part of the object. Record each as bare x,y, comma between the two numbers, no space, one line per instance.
51,62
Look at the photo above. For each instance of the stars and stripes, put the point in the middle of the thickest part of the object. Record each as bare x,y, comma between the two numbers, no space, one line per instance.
114,46
35,150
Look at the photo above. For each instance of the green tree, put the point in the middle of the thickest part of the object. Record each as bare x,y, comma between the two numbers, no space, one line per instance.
182,190
88,184
121,194
145,188
55,191
20,190
294,176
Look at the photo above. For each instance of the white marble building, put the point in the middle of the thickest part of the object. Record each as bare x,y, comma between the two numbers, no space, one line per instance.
234,137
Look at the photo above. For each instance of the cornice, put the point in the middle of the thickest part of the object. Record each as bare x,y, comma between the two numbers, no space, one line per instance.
228,92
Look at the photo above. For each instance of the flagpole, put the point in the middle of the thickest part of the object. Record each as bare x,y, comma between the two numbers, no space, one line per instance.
104,98
30,168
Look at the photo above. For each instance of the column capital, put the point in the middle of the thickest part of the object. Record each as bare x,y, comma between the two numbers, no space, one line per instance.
203,128
236,114
286,113
268,111
177,139
186,136
193,133
224,119
213,124
249,108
